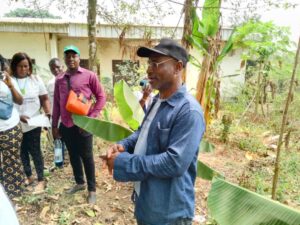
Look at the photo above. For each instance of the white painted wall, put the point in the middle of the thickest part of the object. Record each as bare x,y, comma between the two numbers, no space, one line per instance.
230,86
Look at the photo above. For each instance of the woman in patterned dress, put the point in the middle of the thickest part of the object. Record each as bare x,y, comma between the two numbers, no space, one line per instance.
11,170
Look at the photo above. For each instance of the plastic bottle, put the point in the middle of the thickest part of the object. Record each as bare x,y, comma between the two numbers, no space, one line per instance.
58,153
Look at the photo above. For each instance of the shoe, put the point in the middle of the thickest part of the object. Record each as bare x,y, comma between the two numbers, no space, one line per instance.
91,199
77,187
39,188
29,181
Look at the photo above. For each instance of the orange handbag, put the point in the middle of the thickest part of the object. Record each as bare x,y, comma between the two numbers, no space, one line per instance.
77,104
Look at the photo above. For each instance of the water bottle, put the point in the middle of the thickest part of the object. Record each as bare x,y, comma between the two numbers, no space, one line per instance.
58,153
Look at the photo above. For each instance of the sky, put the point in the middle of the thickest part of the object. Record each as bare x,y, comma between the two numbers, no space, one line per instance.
281,17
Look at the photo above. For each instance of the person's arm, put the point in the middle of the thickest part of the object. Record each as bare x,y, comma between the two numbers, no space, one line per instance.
56,111
182,150
17,97
44,98
45,103
99,94
146,93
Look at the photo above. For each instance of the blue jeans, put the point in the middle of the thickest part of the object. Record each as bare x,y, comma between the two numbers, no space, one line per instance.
176,222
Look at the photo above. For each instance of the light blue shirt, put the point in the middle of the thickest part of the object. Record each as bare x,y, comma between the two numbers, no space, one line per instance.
167,170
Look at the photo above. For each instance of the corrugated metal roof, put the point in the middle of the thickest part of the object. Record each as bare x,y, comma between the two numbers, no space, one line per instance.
79,29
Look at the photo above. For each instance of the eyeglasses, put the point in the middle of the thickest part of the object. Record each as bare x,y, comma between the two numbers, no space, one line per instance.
156,64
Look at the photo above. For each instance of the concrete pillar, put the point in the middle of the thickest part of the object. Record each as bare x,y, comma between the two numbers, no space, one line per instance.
53,45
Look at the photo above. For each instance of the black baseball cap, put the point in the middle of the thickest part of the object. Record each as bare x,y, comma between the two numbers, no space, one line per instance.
167,47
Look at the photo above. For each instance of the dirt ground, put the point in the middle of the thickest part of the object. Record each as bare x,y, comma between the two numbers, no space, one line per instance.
113,199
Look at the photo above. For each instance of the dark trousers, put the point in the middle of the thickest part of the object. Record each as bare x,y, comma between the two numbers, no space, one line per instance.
80,147
31,145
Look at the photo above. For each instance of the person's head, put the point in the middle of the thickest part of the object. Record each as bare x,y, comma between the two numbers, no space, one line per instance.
4,65
165,65
55,66
72,57
21,65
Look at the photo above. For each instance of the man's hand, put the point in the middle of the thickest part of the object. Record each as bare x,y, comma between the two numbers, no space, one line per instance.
147,91
24,118
111,155
55,133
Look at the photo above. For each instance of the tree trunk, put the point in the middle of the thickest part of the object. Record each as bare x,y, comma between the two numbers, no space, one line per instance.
187,29
202,79
283,124
258,89
92,4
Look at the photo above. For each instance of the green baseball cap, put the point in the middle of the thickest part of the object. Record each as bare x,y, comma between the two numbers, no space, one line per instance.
71,48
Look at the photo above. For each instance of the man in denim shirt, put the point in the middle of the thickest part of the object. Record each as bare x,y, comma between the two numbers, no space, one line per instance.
161,156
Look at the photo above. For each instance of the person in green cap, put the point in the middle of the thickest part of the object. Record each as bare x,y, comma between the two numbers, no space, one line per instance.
78,141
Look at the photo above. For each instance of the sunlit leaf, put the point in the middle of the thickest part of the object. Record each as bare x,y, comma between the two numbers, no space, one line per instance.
128,104
90,213
210,17
205,172
227,48
206,146
104,129
230,204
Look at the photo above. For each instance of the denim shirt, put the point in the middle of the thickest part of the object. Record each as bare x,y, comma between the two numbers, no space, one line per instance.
168,169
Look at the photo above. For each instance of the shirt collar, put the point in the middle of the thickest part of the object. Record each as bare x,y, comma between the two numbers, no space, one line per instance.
80,70
173,99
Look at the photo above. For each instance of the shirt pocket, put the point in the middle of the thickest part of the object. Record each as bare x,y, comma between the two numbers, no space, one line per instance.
163,137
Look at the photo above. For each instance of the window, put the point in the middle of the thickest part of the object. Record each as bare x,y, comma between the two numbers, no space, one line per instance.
84,63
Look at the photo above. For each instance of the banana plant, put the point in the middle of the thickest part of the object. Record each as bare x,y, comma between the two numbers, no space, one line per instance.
206,38
230,204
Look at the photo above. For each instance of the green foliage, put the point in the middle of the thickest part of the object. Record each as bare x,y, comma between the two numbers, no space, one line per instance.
262,40
226,121
128,105
206,173
108,87
64,218
230,204
106,130
206,146
210,17
130,72
252,144
31,13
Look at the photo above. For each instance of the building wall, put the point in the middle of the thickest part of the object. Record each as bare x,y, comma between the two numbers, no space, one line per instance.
35,45
42,49
232,76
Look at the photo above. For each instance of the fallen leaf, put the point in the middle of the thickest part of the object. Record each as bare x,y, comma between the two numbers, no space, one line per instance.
90,213
44,212
54,197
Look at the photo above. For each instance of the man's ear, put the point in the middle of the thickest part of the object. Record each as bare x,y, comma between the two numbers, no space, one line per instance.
179,66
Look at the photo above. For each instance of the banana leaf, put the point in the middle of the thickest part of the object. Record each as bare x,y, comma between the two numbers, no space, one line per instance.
206,146
230,204
198,39
227,48
103,129
210,17
128,104
205,172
